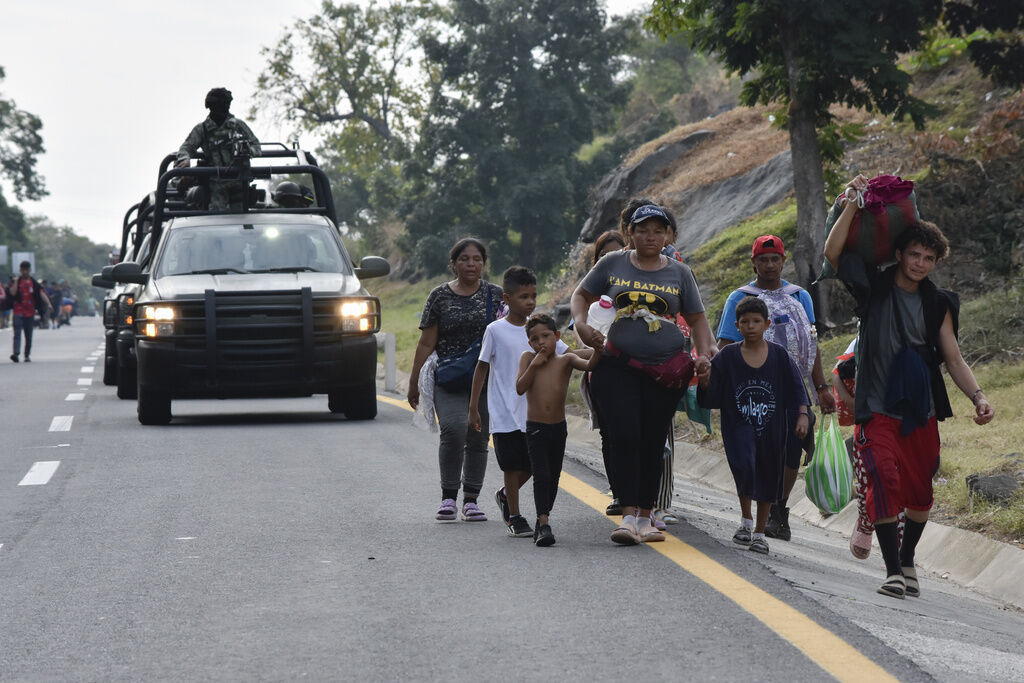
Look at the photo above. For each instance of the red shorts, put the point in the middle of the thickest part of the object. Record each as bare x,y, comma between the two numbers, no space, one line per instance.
898,470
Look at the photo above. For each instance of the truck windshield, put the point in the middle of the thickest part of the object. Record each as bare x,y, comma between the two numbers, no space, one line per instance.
223,249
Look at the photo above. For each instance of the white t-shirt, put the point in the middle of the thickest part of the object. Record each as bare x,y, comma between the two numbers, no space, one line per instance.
502,346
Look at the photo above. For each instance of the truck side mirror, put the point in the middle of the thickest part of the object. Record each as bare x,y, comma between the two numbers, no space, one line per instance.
372,266
129,272
99,281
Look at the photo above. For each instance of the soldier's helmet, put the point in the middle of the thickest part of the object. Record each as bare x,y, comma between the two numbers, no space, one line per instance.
218,97
291,196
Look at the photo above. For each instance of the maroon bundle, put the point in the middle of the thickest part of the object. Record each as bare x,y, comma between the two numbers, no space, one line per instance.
887,207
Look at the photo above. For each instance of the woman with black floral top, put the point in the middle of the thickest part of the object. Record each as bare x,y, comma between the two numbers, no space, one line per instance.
454,318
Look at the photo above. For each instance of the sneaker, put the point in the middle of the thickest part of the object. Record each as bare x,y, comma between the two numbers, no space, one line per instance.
502,500
27,359
626,533
446,512
614,508
758,545
472,513
543,537
14,357
778,524
742,536
519,527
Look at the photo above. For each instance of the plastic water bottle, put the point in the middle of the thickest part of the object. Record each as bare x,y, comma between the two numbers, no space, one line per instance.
602,314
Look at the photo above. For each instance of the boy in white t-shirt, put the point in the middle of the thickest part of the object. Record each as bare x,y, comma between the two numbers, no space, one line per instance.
504,342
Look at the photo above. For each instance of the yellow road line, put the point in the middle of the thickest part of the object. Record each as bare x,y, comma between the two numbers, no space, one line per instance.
833,654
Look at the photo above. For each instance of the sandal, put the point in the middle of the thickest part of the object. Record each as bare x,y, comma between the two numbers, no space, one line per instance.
446,512
895,586
860,542
626,534
650,534
667,517
913,586
471,513
657,523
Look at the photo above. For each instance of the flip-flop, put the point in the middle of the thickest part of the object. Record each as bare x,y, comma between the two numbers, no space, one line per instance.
895,586
913,586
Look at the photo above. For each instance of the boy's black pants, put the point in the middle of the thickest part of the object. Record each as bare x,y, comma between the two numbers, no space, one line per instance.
546,446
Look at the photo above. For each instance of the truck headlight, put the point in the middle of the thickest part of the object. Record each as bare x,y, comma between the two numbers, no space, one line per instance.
157,313
156,321
360,315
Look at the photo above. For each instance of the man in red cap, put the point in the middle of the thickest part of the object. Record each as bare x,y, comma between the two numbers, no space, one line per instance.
791,313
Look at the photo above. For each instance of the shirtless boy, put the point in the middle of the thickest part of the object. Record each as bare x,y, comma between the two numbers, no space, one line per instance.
544,378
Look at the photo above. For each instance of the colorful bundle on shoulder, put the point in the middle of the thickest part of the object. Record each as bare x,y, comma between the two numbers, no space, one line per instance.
886,208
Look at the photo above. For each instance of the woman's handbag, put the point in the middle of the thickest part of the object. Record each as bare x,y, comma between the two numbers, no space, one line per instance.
455,373
829,478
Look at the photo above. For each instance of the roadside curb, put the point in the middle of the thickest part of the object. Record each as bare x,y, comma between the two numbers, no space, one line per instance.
969,559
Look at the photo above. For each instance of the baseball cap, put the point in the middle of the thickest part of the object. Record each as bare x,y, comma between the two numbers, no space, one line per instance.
649,211
768,244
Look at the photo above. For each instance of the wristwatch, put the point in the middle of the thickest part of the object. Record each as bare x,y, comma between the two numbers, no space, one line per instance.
819,387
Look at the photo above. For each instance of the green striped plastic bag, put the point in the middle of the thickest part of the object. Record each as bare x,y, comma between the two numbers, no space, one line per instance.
829,478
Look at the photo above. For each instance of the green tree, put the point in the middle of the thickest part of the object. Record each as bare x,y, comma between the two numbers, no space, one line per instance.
521,85
1000,54
20,144
351,75
807,55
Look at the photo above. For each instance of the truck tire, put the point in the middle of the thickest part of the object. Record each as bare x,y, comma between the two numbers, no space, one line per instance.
154,407
110,365
358,403
127,382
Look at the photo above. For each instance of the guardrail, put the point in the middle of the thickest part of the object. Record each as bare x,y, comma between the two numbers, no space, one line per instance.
386,340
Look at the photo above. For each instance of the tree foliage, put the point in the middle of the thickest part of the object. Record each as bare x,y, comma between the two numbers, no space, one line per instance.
521,85
1000,53
20,144
351,74
808,55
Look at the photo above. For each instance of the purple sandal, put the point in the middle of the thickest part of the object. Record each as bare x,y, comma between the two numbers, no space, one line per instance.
446,512
471,513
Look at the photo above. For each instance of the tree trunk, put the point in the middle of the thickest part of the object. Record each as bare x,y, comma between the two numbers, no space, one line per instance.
808,180
528,248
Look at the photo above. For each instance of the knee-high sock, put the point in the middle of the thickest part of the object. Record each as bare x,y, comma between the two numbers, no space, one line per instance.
888,541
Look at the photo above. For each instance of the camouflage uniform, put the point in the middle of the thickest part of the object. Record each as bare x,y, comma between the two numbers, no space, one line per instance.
218,149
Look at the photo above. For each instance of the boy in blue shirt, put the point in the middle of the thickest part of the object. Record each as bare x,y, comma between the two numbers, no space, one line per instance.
759,391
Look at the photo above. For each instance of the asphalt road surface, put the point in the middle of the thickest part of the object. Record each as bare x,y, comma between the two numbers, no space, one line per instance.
271,540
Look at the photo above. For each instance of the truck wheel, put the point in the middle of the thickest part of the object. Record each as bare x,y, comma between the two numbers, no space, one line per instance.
110,365
154,407
358,403
127,379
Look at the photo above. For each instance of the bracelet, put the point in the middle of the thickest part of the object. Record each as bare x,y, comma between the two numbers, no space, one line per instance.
974,396
819,387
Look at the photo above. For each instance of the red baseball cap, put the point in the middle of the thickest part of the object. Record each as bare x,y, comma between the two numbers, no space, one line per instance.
768,244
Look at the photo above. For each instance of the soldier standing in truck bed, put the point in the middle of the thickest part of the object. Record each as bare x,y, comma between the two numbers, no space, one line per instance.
225,141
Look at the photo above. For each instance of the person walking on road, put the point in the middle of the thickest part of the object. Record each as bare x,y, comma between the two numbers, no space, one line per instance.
791,314
454,318
646,365
908,328
29,298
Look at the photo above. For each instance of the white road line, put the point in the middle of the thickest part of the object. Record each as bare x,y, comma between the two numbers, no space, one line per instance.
61,423
75,397
40,473
88,368
85,381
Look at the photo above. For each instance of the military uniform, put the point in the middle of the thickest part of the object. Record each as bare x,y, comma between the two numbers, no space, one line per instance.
217,143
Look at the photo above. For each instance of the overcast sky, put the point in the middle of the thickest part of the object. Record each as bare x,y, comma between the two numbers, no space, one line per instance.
119,83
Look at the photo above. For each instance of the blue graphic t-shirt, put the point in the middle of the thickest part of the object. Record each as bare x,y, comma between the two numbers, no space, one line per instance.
759,408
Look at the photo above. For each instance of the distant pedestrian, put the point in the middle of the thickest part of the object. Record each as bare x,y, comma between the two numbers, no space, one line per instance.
544,377
646,364
452,326
908,328
504,342
28,298
756,385
6,303
791,318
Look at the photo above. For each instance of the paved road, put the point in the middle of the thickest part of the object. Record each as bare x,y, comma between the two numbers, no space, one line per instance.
270,540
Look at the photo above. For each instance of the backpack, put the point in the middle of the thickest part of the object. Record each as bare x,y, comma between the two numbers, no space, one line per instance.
789,326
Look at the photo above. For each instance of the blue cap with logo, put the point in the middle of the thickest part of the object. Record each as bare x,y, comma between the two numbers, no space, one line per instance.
649,211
